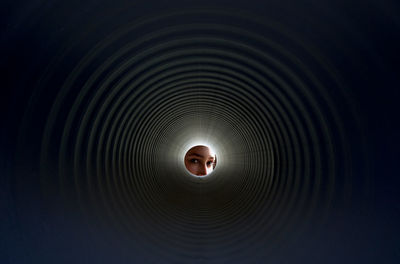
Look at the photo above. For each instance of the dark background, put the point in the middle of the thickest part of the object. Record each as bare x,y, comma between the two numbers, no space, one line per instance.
43,41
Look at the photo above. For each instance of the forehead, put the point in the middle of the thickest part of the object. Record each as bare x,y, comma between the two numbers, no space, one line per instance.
200,150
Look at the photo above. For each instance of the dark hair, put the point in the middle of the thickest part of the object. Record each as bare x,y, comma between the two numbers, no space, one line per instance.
215,162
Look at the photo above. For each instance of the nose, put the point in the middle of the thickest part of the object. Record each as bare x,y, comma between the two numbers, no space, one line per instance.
202,170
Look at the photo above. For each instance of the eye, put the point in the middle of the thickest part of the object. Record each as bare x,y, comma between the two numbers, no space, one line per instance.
194,161
209,163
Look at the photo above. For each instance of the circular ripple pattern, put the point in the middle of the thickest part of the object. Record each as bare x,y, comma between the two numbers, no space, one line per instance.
143,101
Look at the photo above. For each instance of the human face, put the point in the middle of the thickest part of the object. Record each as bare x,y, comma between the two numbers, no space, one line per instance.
200,160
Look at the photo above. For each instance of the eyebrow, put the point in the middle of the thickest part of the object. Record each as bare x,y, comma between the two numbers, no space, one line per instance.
198,155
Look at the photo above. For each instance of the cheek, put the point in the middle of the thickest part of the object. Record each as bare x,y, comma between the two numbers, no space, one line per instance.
192,167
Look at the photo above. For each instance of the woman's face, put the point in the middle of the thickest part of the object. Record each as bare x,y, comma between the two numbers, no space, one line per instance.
200,161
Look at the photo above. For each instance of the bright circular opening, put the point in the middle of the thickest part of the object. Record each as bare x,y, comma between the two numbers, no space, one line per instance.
200,160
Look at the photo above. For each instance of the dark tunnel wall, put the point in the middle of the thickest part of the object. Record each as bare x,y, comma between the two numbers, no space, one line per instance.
101,101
